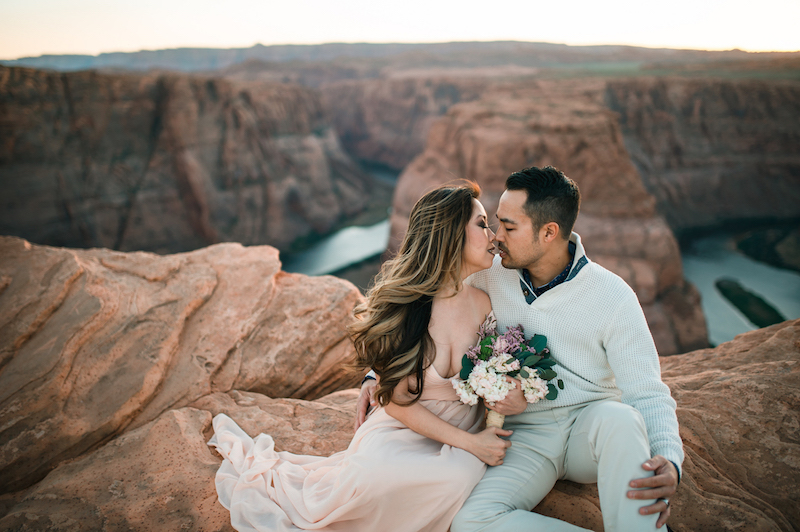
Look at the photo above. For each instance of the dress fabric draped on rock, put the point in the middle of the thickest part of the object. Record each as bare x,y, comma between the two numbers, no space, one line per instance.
389,478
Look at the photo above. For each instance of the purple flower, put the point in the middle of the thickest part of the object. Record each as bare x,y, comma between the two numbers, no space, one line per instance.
473,351
501,345
487,328
515,337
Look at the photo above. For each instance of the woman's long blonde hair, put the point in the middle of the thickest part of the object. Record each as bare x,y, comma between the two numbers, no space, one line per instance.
390,330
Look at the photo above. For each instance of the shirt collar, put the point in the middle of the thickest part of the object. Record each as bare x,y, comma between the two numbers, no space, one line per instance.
525,281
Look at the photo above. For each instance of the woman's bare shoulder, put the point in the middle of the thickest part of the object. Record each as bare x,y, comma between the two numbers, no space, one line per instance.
480,301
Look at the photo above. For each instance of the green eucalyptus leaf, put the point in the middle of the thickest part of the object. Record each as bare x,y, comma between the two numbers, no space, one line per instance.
547,374
466,367
537,343
524,374
560,384
532,360
552,392
547,363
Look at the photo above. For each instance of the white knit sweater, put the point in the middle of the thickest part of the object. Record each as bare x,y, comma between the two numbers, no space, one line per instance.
597,333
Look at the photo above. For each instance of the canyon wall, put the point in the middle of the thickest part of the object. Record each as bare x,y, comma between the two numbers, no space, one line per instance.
168,163
113,365
386,121
713,151
565,125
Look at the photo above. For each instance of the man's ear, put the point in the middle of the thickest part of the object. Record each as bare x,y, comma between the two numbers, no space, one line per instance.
549,232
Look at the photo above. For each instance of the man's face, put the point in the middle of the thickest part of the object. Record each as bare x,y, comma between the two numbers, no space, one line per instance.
518,242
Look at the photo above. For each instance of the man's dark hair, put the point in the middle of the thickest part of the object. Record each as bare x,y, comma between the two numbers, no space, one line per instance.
552,197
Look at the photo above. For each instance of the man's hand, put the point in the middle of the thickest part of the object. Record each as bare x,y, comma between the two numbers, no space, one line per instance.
366,399
513,404
662,485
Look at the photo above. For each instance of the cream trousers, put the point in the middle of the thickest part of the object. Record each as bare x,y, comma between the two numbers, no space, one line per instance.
603,442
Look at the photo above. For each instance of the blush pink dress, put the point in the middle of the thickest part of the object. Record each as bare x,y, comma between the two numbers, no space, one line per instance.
389,478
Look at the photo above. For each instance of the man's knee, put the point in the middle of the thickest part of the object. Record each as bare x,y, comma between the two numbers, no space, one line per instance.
619,419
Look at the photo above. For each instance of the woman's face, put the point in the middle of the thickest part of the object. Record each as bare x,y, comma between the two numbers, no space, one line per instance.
478,248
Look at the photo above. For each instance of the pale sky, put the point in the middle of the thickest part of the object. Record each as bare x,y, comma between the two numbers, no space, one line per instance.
35,27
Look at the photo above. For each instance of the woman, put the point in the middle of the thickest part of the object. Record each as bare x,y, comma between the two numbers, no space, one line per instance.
412,464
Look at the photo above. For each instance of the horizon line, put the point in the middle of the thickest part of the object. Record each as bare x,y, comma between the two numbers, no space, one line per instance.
593,45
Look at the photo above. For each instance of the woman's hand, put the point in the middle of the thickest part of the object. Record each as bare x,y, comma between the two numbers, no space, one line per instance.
488,446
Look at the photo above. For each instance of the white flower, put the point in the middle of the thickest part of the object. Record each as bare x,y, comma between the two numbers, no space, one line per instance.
503,363
534,387
464,391
486,383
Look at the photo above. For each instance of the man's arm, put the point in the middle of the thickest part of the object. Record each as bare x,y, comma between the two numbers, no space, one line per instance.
634,360
366,398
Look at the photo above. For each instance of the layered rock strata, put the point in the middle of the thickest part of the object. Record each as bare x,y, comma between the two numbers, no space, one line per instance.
167,162
713,151
94,343
565,125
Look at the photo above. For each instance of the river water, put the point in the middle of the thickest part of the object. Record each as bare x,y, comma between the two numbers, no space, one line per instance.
343,248
705,261
711,258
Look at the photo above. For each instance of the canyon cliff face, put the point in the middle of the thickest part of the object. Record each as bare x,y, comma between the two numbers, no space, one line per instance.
386,121
565,125
113,365
94,343
168,163
713,152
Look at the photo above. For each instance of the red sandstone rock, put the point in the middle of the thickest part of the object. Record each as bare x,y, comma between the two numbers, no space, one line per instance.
565,125
738,407
157,477
161,475
94,342
168,162
739,410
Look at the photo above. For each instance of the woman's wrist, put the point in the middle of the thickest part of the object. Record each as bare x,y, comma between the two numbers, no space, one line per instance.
467,442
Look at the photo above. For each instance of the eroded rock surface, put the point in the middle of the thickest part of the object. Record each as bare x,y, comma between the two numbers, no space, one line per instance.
168,162
96,342
161,475
738,408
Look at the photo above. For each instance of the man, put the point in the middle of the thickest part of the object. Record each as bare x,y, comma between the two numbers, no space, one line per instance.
615,417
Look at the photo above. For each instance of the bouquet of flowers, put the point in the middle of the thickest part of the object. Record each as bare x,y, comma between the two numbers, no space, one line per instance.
484,366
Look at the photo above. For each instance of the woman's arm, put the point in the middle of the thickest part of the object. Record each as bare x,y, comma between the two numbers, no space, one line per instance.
486,445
